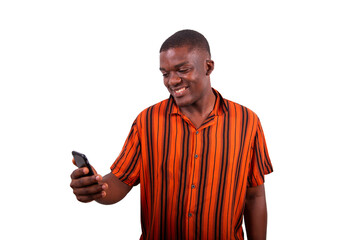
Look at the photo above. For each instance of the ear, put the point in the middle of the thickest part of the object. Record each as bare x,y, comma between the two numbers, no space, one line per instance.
209,67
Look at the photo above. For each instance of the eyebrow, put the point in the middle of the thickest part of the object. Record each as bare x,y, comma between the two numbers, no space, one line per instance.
181,64
177,65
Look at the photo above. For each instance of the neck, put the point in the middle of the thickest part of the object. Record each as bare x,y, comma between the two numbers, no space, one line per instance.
200,110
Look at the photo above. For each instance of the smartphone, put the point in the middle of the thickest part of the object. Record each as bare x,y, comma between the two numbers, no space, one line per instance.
82,161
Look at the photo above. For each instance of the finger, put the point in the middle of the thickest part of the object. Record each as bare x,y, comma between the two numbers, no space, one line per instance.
73,161
94,171
90,190
89,198
80,172
85,181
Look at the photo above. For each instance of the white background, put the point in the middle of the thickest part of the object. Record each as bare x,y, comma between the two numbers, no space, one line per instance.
75,74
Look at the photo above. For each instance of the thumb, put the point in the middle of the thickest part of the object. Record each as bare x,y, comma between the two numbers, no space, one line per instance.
93,170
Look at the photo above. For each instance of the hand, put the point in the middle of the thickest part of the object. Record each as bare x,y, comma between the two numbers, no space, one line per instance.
87,188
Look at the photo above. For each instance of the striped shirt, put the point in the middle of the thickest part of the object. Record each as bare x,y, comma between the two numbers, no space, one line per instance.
193,181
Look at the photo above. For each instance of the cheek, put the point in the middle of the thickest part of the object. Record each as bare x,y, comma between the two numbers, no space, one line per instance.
189,77
166,83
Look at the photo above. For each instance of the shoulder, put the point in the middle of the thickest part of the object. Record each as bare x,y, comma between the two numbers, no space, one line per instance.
155,111
161,106
236,108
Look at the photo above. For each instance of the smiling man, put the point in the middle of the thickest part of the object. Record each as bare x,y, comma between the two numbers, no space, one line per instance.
200,159
186,74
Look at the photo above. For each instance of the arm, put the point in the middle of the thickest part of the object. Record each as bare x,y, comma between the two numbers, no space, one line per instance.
116,190
255,213
105,190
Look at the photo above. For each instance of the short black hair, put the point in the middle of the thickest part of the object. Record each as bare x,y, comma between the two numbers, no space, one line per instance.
187,37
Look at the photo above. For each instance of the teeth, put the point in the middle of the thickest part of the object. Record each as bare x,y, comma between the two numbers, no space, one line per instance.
180,90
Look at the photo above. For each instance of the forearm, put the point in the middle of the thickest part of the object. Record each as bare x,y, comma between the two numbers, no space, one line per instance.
256,217
116,190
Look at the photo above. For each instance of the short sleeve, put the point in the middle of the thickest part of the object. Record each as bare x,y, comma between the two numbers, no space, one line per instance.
260,161
127,165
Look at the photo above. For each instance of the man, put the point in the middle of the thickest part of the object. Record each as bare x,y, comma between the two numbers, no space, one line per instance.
200,159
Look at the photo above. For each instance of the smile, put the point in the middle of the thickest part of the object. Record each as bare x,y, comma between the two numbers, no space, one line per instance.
179,92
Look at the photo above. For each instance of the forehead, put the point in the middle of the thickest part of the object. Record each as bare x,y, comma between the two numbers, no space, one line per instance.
177,55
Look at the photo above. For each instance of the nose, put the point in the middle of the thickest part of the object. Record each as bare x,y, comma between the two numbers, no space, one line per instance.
174,79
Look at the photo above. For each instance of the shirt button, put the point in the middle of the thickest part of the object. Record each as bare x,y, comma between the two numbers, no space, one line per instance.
193,186
197,132
196,156
190,215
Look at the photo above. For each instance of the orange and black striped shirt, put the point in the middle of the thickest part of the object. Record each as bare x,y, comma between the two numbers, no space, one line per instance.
193,181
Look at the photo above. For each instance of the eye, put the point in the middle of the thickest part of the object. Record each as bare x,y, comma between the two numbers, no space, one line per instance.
165,74
184,70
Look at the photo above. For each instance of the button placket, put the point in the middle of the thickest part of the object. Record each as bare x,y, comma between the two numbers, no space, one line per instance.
192,187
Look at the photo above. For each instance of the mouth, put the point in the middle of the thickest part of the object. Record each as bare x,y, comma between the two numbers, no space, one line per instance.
180,91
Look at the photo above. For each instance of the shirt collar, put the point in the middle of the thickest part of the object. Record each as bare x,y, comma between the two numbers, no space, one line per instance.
219,108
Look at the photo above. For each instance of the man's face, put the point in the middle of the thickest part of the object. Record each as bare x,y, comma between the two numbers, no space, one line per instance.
186,74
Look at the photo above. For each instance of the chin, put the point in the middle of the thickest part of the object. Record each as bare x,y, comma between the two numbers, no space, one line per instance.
182,102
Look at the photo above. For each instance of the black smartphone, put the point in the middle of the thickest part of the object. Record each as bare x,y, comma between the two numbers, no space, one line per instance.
82,161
